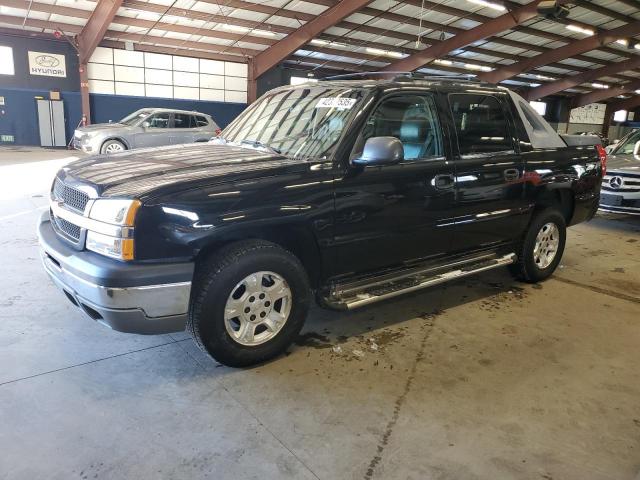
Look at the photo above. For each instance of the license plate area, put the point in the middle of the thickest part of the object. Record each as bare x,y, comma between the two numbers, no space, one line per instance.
611,200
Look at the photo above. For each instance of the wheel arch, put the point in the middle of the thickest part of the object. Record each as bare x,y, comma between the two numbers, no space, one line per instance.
562,199
119,139
296,239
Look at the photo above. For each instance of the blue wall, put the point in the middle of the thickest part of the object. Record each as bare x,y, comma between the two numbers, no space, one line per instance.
20,117
115,107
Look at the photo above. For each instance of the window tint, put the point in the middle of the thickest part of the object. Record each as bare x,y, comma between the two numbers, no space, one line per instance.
159,120
182,120
413,120
627,145
201,121
480,123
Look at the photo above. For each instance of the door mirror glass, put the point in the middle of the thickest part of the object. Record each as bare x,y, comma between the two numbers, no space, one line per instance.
381,151
146,124
636,148
609,148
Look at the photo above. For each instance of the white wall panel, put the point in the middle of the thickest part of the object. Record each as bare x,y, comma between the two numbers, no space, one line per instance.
212,95
129,74
186,93
211,81
186,64
161,91
237,97
128,58
185,79
158,77
102,55
100,71
212,67
125,88
235,69
158,60
101,86
235,83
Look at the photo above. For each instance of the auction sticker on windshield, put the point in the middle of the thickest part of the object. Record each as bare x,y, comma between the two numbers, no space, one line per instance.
336,102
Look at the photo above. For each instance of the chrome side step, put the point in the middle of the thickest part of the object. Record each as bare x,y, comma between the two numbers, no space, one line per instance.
348,298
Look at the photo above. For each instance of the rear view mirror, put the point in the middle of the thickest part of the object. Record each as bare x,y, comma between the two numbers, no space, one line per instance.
381,151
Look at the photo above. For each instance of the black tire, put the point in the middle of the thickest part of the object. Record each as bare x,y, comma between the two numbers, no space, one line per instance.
526,268
108,143
214,282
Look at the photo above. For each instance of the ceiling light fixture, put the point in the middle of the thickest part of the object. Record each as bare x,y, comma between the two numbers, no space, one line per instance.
623,41
492,5
385,53
472,66
599,85
579,29
241,29
443,62
318,41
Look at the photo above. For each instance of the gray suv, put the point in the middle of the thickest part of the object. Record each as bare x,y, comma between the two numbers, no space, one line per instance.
148,127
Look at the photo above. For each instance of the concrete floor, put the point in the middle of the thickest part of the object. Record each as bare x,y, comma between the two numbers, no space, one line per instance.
482,379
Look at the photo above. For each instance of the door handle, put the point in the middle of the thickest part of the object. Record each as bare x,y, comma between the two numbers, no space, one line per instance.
511,174
443,181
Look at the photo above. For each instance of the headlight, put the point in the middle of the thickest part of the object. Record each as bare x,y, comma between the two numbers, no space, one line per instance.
114,212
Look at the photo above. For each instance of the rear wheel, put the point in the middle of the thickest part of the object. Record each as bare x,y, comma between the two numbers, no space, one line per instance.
112,146
250,301
541,248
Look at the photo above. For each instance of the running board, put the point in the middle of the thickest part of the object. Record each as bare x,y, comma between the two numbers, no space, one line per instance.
346,297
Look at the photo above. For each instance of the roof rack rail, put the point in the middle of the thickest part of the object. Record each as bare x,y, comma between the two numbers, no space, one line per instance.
399,76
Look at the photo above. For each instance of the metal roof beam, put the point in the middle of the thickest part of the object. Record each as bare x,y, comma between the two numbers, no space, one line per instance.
588,76
558,54
285,47
604,94
93,31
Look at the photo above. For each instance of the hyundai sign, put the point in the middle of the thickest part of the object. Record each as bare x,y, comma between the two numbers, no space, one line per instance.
47,64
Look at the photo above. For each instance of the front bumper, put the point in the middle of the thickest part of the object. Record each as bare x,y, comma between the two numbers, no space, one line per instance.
620,202
132,298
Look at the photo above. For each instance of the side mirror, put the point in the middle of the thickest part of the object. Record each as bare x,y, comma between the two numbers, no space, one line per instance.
146,124
381,151
636,149
609,148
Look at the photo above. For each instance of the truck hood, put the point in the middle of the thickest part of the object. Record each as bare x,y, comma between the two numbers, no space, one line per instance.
623,162
138,173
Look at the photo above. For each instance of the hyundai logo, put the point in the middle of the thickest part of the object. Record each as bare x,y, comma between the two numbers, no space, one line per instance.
615,182
47,61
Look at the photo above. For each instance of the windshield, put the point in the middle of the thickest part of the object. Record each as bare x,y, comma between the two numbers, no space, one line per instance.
135,118
628,142
301,123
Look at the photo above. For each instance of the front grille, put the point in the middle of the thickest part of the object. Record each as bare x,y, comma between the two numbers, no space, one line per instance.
67,228
71,197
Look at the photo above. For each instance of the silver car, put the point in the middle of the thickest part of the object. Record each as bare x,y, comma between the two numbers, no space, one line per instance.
148,127
621,185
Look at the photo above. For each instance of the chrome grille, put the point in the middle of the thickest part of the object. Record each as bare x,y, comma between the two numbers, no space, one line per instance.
71,197
66,228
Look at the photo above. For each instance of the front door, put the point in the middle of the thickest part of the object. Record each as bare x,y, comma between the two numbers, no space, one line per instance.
155,131
388,215
490,204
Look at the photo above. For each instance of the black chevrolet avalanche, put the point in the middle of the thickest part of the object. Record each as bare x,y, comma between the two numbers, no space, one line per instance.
351,192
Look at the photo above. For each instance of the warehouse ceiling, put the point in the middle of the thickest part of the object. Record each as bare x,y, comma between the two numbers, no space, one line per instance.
592,54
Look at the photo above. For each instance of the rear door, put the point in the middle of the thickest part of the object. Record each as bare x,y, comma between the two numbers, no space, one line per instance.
183,130
490,204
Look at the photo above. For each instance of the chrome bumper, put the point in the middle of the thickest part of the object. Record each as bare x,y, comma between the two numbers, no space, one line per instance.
144,299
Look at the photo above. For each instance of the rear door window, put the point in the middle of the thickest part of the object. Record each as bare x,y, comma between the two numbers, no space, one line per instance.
201,121
481,124
182,120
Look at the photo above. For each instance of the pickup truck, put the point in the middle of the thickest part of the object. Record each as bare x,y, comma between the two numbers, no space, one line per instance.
349,191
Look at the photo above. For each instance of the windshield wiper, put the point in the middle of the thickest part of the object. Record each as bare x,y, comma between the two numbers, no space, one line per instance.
259,144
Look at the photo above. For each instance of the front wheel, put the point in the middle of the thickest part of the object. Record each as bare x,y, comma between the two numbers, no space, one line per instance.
112,146
541,248
249,303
